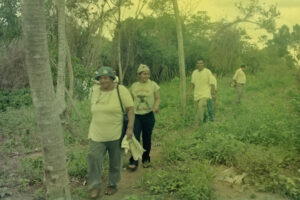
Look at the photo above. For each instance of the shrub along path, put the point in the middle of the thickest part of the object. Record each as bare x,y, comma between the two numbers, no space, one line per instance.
249,148
131,188
249,152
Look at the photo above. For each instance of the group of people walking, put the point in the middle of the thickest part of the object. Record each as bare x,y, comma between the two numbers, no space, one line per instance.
109,103
204,84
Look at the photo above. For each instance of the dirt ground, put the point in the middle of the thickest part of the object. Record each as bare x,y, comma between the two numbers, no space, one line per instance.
129,184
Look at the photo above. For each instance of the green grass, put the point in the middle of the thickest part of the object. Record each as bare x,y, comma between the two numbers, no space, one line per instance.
260,137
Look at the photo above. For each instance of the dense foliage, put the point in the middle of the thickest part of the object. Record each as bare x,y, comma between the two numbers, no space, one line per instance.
257,142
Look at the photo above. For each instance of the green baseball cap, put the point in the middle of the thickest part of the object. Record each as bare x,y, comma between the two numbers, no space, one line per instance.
105,71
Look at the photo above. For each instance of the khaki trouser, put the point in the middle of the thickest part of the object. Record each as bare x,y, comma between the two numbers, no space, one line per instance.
239,88
200,108
95,160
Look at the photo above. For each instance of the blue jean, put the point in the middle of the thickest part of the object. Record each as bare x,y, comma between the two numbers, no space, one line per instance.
210,111
144,124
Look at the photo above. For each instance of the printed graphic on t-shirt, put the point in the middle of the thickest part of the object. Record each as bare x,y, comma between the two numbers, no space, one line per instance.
143,100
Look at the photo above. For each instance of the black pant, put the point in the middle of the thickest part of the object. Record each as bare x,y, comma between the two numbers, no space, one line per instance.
144,124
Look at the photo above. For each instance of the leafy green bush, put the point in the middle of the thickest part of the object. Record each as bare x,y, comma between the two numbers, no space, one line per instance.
258,162
191,182
295,99
15,99
289,186
18,129
31,170
215,147
77,164
220,149
83,79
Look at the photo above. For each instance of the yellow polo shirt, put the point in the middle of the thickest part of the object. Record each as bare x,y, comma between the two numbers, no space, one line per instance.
202,81
240,76
107,116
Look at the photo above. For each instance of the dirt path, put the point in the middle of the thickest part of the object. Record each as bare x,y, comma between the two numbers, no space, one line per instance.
130,180
223,190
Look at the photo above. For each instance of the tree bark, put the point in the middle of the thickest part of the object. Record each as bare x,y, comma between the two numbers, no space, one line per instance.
119,45
60,91
42,91
71,80
181,59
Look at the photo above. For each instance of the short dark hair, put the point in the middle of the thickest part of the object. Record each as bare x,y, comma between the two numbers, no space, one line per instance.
243,66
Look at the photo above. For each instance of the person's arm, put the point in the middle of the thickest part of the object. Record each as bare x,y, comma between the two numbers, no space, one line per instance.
157,101
129,106
235,76
130,114
233,83
213,91
190,89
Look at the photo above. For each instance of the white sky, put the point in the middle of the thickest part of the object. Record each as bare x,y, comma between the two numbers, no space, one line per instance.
289,9
218,9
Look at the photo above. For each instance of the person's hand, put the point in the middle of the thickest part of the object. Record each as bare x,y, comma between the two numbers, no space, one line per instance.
129,133
156,110
214,97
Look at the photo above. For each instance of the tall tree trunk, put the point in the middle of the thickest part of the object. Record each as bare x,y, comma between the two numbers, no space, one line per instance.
71,80
60,92
42,91
119,45
181,59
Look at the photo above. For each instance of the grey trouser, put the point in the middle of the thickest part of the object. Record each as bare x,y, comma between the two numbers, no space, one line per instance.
239,88
95,160
200,107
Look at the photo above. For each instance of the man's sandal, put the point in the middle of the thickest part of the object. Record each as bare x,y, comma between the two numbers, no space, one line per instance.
94,193
110,190
132,167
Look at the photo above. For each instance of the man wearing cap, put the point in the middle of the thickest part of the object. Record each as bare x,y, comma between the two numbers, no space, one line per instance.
204,89
145,94
239,80
105,130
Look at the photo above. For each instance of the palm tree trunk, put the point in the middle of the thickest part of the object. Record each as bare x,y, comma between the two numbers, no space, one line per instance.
60,92
71,80
181,59
42,91
119,45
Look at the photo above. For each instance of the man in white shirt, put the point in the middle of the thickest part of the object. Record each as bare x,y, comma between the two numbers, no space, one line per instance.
204,89
239,80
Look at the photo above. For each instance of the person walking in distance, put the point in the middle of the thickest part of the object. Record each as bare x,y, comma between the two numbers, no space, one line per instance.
203,84
239,80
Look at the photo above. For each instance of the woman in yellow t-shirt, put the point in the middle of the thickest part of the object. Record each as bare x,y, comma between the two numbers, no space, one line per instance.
146,102
105,130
